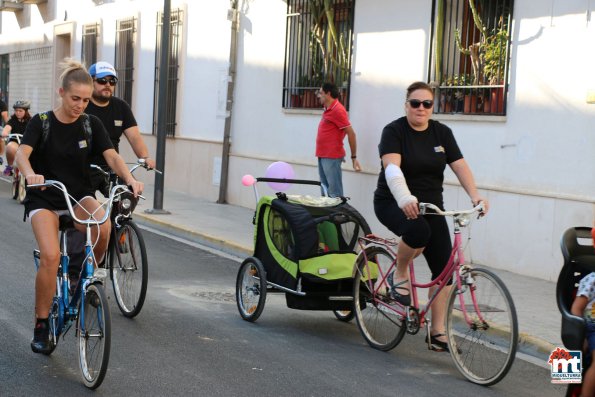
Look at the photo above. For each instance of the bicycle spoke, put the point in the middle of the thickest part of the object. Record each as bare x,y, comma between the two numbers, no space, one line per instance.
482,329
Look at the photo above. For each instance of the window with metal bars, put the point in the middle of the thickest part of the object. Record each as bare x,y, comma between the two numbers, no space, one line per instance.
89,44
175,45
471,55
318,48
124,57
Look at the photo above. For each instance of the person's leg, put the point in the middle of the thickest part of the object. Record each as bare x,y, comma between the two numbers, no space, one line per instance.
45,226
89,205
437,254
332,175
11,150
322,176
414,235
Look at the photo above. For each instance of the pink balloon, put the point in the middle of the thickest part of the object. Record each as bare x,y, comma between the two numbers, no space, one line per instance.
279,170
248,180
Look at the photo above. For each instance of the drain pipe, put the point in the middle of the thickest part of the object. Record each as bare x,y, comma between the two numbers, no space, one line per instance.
233,15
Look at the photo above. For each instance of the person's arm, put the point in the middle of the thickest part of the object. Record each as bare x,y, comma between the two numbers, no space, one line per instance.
22,159
398,185
578,306
138,145
117,164
353,147
6,130
464,175
5,116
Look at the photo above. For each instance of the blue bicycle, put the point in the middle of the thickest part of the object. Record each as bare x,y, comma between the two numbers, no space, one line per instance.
84,303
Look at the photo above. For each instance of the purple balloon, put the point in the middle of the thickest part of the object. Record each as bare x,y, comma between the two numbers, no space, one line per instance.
279,170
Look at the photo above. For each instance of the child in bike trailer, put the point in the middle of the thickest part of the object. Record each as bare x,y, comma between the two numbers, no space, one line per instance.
584,306
16,125
62,152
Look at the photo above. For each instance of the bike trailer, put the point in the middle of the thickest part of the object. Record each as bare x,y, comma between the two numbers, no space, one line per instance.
307,246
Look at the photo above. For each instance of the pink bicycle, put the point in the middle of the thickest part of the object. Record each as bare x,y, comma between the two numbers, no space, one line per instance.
481,321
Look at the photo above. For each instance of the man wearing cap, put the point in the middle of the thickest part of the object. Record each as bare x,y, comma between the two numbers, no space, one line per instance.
116,116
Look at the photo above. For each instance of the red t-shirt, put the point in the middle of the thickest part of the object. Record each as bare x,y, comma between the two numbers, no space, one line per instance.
331,132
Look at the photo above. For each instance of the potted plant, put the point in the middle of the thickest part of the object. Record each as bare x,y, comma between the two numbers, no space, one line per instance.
488,60
452,94
494,65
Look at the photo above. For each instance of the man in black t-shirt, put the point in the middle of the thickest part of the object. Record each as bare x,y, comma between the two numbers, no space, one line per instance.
117,118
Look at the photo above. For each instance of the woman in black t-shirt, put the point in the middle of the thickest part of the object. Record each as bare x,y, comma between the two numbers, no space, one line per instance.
415,151
16,125
63,155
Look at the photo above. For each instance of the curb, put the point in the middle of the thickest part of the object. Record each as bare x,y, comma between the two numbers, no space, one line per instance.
208,240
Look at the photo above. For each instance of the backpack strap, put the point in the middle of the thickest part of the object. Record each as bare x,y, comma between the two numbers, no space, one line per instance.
88,130
45,126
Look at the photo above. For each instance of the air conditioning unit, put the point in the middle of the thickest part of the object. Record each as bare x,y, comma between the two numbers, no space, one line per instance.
10,5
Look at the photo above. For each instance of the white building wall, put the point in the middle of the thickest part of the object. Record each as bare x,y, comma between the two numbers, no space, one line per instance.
534,165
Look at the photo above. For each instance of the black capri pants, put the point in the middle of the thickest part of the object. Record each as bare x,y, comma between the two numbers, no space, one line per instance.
429,231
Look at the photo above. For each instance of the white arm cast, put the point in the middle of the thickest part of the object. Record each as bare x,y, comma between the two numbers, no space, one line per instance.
398,186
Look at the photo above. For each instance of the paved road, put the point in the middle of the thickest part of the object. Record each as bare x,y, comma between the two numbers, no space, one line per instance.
190,340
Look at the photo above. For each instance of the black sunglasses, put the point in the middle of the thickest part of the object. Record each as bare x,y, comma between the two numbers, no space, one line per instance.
104,81
415,103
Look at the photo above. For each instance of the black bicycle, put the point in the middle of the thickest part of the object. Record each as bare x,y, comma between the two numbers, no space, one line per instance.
126,256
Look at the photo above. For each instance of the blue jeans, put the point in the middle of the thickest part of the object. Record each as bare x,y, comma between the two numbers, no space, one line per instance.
330,176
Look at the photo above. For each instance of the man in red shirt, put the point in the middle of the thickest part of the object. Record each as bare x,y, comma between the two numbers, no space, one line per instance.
332,129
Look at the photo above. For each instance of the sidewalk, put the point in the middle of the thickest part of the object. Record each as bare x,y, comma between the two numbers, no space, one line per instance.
229,228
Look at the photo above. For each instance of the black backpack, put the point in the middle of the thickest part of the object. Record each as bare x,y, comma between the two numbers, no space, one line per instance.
45,125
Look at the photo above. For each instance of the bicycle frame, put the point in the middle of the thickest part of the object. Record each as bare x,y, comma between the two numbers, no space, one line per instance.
67,305
455,264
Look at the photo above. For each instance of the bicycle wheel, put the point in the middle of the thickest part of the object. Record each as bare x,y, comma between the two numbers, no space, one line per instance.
15,184
129,268
344,315
94,336
251,289
22,188
483,344
54,321
378,317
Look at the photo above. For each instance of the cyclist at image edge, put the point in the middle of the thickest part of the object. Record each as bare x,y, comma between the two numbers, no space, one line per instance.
63,155
414,152
16,125
117,118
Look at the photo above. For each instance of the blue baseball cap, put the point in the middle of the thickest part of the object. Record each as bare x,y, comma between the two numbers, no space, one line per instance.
102,69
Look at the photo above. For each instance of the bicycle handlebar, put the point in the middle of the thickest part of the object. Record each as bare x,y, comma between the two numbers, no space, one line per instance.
18,137
424,207
113,194
139,163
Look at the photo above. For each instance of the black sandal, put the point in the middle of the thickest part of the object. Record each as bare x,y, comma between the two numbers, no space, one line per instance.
404,300
435,344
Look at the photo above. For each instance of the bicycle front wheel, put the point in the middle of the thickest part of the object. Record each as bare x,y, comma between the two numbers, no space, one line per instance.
94,336
129,268
483,337
378,317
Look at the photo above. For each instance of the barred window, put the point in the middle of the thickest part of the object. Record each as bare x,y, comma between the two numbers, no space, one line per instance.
175,46
89,44
470,55
319,37
124,57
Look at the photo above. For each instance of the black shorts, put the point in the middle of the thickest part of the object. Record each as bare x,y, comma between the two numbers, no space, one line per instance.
429,231
99,181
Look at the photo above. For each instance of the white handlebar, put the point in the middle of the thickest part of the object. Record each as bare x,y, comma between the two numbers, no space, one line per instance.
424,207
116,191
